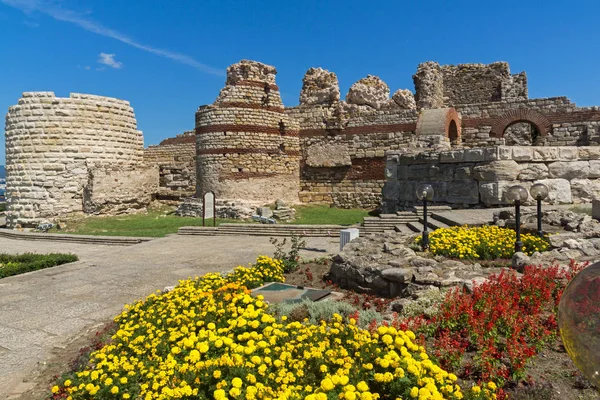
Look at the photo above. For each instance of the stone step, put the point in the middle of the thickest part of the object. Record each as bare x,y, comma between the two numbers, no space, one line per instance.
433,223
405,213
403,228
394,222
445,219
415,226
86,239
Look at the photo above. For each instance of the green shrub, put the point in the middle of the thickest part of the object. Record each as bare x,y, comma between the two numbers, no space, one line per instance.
15,264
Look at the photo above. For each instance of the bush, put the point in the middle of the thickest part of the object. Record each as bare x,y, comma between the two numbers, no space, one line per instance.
484,243
209,338
505,321
11,264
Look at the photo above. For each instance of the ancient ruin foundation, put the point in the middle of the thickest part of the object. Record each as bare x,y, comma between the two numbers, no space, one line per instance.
64,152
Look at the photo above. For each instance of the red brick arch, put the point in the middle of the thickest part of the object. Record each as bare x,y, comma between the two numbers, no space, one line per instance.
539,120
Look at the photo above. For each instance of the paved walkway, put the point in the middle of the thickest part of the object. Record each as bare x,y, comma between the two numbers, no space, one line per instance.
48,308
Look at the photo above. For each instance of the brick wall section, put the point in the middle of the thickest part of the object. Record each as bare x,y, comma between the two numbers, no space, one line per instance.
51,141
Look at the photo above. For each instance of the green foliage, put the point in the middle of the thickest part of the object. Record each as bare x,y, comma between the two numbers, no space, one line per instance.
19,264
427,305
2,207
290,258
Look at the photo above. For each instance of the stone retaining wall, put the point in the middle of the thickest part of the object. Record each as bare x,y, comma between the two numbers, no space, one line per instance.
481,176
50,142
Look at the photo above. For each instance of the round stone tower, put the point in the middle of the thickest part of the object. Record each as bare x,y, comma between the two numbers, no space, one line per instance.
50,144
246,147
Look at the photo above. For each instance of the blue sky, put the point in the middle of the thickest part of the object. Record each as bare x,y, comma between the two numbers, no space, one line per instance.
169,57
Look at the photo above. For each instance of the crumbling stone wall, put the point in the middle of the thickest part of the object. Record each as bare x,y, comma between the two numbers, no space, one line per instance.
51,141
481,176
452,85
119,190
246,146
176,161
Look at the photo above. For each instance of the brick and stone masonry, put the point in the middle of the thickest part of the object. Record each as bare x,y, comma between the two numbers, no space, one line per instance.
246,146
64,152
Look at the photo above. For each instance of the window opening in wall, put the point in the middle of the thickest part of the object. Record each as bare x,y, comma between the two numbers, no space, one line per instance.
240,169
282,147
224,133
522,133
281,128
453,133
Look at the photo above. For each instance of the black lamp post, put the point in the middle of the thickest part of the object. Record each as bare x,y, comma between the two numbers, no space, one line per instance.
539,191
425,193
516,195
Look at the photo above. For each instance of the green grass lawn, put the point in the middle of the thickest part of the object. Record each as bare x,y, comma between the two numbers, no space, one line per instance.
15,264
151,224
325,215
159,223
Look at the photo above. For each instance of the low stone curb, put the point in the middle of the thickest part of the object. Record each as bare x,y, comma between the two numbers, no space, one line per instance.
108,240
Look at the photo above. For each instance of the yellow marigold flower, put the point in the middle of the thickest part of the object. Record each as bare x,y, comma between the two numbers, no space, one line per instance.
414,392
476,389
362,386
236,382
219,394
327,384
55,389
114,390
492,386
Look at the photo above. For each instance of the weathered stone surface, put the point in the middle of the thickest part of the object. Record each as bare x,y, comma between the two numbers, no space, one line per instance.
405,99
569,170
370,91
585,190
497,171
400,275
559,191
519,260
533,171
319,86
463,192
328,155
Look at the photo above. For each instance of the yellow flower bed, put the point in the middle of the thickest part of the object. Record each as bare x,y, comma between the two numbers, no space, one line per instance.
210,339
484,243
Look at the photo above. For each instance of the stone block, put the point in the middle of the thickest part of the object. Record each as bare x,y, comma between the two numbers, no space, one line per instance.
419,171
589,153
441,173
453,156
463,172
507,170
585,190
463,192
569,169
559,191
594,169
533,171
541,153
474,155
498,153
522,153
568,153
493,193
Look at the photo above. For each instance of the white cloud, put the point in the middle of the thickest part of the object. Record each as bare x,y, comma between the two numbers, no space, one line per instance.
109,59
59,13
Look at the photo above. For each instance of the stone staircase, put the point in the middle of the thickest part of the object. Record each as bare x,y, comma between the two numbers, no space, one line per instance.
406,221
265,230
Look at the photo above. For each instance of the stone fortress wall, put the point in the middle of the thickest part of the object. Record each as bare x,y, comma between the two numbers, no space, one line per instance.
176,162
480,176
342,143
57,147
246,146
